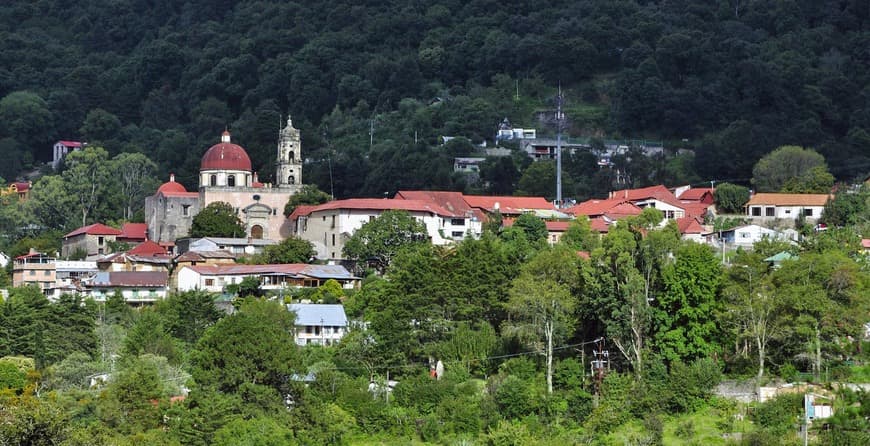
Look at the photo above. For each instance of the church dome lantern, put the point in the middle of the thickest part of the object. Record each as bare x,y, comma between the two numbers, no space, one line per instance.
226,156
171,186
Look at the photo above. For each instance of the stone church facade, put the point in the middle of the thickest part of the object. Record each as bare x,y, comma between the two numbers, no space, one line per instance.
225,175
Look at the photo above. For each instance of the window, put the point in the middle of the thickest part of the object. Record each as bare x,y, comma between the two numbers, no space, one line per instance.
787,211
456,234
100,251
231,180
100,241
333,254
212,180
744,235
669,215
46,273
333,239
257,232
291,179
808,212
332,225
209,282
769,211
290,156
185,210
756,211
457,222
371,217
32,272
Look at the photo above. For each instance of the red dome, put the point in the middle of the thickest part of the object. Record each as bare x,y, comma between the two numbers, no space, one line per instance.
171,186
225,156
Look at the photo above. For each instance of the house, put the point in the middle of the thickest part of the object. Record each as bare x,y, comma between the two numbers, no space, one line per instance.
612,208
133,233
235,246
746,236
319,324
691,229
19,189
330,225
555,230
467,165
508,132
34,268
696,195
276,277
90,240
771,206
61,149
658,197
146,256
136,287
509,206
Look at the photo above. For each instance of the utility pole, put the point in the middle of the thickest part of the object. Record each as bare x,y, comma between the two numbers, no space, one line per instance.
560,120
600,361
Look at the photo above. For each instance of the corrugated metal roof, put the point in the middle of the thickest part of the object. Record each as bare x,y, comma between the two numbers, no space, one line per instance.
319,314
289,269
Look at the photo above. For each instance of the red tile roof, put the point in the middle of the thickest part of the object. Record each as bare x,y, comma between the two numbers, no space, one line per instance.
70,143
865,243
147,248
696,209
379,204
94,229
302,209
658,192
695,194
507,204
134,231
789,199
689,225
615,207
557,226
21,186
599,224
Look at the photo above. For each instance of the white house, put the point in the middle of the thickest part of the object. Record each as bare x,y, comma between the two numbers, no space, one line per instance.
329,226
747,235
770,206
137,287
215,277
658,197
319,324
61,149
237,246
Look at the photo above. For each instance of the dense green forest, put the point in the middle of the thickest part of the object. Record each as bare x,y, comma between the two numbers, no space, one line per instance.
731,79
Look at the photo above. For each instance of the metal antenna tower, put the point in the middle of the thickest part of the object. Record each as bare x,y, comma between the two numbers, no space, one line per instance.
560,122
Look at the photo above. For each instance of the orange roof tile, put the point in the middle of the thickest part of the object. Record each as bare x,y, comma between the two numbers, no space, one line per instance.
136,231
689,225
599,224
147,248
695,194
788,199
619,207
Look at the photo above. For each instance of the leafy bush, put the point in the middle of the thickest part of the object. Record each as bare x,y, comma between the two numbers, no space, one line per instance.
779,415
514,398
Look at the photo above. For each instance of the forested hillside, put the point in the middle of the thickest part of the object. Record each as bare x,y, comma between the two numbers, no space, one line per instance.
732,79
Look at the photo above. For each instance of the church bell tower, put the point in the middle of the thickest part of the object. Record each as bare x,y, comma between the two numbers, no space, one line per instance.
289,168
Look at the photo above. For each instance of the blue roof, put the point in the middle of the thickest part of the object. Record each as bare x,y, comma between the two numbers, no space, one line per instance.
319,314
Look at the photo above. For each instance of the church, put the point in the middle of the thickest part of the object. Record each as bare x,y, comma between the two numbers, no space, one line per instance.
225,175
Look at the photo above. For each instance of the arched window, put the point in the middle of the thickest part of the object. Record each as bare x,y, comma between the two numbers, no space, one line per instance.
257,232
231,180
212,181
291,179
290,156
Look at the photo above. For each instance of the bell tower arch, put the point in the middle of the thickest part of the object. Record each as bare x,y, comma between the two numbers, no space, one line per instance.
289,163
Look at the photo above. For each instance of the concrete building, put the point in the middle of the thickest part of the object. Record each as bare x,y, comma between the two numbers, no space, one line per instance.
319,324
214,278
34,268
137,288
226,176
90,240
763,207
61,149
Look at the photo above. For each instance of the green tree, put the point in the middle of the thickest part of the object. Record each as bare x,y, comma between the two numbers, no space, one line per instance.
100,126
542,302
218,219
379,240
579,235
790,166
135,175
686,310
290,250
730,198
27,118
309,194
88,178
848,208
533,228
188,314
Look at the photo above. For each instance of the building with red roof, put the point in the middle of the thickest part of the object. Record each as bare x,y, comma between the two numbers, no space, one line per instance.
328,226
613,208
215,278
133,233
226,175
90,240
61,149
697,195
658,197
20,189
